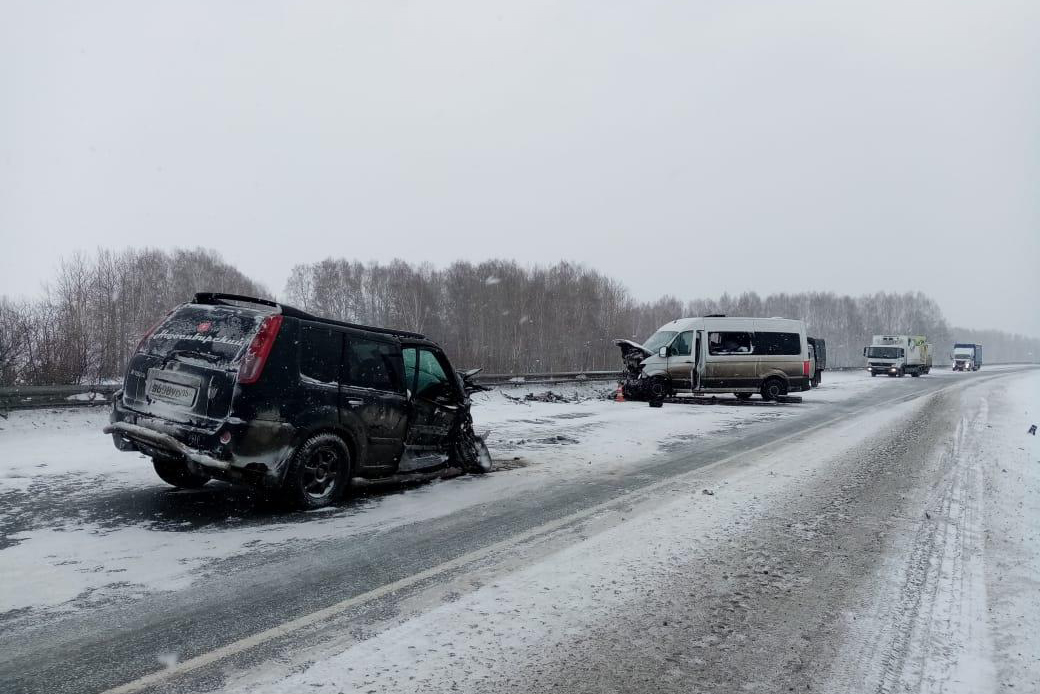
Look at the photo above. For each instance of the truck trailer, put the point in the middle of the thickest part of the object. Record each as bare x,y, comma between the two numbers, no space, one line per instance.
966,356
898,355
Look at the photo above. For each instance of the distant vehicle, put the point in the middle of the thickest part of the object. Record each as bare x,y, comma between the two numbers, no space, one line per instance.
817,360
898,355
966,357
248,390
717,354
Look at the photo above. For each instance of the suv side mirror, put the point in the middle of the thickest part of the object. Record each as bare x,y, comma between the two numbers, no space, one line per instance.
663,352
864,351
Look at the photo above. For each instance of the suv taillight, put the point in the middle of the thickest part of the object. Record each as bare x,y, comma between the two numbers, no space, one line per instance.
805,368
256,354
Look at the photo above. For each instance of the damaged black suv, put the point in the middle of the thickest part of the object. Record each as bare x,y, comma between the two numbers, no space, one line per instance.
249,390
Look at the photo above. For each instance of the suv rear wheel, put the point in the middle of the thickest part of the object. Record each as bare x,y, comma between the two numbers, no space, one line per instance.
319,473
176,472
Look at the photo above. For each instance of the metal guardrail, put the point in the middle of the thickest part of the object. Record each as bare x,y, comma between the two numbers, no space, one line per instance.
41,397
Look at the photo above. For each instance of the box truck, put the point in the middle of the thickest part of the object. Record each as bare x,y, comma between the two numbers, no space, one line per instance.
898,355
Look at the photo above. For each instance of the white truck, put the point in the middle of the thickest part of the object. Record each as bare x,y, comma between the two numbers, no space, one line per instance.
967,356
898,355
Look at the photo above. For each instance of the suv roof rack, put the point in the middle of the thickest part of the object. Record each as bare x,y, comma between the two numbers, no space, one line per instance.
218,298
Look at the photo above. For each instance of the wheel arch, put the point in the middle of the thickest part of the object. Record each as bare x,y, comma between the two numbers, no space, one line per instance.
353,443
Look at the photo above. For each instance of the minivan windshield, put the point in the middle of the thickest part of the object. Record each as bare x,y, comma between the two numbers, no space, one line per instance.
660,339
215,334
884,352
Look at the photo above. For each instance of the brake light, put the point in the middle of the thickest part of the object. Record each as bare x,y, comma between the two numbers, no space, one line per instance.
256,354
805,368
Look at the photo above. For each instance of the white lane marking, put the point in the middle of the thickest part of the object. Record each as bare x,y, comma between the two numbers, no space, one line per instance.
286,628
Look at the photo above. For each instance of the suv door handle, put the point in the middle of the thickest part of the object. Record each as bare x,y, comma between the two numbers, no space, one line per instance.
355,403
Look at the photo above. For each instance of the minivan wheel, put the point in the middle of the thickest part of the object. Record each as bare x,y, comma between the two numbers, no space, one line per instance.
319,472
176,472
773,388
659,388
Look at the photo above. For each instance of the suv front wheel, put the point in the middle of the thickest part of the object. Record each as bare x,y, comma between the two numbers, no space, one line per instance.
319,473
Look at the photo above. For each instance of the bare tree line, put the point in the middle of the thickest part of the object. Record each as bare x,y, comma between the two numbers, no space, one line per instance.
93,313
496,314
511,319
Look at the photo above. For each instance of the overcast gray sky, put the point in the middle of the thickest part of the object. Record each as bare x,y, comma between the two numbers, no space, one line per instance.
687,147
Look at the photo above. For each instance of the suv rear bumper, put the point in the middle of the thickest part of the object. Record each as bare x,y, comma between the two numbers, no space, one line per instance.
139,435
203,450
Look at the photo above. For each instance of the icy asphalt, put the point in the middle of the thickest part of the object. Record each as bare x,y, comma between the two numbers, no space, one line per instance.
766,610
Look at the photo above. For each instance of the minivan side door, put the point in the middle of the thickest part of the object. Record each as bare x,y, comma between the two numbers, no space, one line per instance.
681,358
372,390
731,359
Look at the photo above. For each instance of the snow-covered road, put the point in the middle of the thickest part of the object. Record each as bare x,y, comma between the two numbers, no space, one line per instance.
620,548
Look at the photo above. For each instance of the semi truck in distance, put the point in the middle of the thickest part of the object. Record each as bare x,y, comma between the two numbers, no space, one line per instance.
966,356
898,355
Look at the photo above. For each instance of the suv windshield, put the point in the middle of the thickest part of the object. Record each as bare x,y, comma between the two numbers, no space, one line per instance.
659,339
216,334
885,352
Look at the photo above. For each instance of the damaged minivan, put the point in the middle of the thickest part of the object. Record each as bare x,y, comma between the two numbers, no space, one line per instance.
718,354
248,390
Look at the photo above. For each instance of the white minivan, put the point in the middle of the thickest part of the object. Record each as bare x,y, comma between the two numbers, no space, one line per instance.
719,354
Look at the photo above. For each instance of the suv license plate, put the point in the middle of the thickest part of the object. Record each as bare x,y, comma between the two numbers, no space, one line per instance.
173,393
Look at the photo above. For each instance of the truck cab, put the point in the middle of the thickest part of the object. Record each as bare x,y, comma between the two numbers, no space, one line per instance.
966,357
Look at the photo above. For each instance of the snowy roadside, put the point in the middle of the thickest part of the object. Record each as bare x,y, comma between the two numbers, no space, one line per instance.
113,530
955,608
552,608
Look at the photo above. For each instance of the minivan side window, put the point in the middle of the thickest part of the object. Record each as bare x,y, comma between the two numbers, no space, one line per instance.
729,343
370,364
321,349
682,344
778,343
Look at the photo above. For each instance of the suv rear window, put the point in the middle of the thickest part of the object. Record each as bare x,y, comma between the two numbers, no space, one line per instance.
217,334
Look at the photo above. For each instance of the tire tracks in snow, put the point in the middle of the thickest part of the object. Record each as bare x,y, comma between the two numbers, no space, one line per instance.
926,631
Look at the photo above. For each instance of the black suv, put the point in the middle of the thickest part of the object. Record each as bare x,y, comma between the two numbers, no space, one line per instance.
248,390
